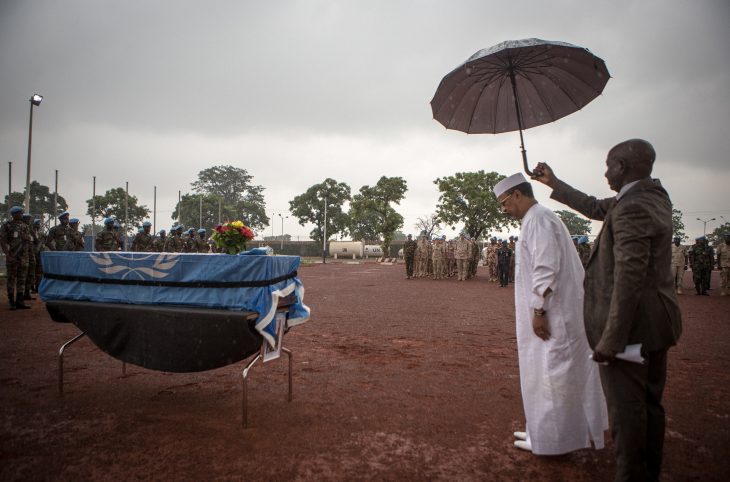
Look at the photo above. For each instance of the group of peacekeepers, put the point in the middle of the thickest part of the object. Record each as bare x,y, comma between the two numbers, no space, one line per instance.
701,258
440,258
22,240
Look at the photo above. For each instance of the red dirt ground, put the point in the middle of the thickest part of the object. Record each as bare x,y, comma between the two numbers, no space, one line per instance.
394,379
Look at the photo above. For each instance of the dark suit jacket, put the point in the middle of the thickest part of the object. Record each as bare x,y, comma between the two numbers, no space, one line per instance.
629,291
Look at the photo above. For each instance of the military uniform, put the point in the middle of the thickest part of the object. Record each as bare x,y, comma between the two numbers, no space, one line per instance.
174,243
504,259
158,243
16,241
107,240
189,244
30,275
511,246
701,258
461,254
492,260
38,247
450,260
201,242
409,255
422,257
679,266
59,238
723,263
438,259
142,242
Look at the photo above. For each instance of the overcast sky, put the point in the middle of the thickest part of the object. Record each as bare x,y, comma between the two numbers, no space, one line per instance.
152,92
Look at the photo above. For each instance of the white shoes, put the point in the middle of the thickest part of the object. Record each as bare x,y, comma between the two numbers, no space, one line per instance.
520,435
523,445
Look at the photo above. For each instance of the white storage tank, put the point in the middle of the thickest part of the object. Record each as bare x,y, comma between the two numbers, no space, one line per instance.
346,249
373,250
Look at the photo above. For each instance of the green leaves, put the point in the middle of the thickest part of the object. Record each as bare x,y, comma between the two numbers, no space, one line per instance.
309,208
467,197
576,224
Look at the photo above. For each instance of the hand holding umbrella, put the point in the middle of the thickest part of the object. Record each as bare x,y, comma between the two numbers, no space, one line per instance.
516,85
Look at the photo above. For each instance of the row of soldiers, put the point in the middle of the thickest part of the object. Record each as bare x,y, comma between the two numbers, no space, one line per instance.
177,242
701,258
22,240
441,258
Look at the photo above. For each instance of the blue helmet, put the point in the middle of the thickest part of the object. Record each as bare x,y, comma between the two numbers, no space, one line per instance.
108,221
64,214
15,210
162,231
583,240
146,224
201,231
73,221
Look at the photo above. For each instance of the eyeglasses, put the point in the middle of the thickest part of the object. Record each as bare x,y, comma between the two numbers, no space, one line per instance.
505,199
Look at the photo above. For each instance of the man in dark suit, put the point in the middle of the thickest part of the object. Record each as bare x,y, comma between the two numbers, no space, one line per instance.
629,299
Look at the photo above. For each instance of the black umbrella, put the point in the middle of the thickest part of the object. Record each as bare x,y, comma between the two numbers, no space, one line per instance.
516,85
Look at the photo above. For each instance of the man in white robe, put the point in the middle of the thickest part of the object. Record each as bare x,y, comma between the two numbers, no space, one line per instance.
565,408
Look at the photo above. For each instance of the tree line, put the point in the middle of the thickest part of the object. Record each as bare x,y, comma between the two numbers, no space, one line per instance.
225,192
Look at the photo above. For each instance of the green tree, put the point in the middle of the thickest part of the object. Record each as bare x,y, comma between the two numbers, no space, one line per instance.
717,236
41,201
678,224
112,203
371,214
188,212
308,207
467,197
576,224
240,198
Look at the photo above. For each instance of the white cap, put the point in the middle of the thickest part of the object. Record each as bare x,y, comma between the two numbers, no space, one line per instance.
508,183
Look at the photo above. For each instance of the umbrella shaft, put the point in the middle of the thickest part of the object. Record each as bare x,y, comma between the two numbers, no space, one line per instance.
519,121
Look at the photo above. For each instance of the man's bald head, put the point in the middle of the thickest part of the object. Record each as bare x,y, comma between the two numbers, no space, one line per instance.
638,154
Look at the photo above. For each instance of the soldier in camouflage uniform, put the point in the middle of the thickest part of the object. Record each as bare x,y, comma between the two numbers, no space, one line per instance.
409,255
142,242
461,254
158,244
77,239
511,245
190,245
175,242
38,247
584,250
202,241
107,239
30,274
701,260
15,241
679,263
504,258
119,235
723,264
492,259
59,236
450,260
438,255
422,256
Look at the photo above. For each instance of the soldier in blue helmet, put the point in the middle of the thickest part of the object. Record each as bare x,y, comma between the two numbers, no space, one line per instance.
59,237
30,275
39,245
175,242
143,240
190,245
76,236
202,241
107,239
15,241
158,244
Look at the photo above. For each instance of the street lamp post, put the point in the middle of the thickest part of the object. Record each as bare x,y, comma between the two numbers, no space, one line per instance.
704,227
35,100
273,215
281,247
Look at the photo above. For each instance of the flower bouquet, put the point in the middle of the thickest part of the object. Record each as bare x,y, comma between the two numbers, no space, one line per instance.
232,237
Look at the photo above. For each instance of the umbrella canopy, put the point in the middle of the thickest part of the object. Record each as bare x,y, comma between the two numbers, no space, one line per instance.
516,85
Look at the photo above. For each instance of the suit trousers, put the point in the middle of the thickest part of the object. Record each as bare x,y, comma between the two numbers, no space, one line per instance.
634,398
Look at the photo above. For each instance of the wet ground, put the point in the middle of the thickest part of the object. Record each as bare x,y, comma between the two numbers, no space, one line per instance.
394,379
